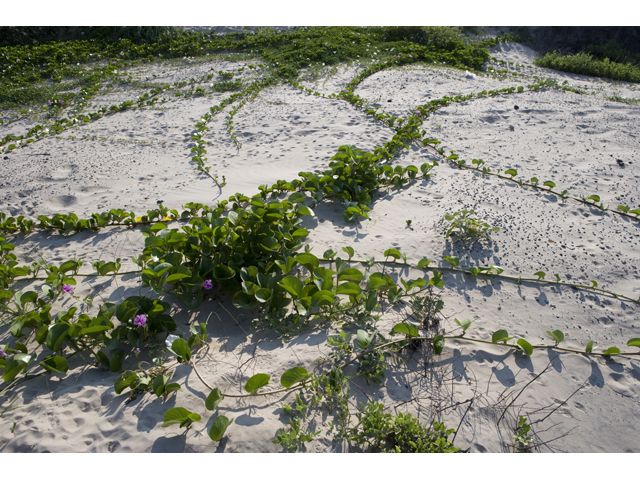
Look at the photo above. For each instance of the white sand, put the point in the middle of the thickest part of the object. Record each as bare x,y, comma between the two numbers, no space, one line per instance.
133,159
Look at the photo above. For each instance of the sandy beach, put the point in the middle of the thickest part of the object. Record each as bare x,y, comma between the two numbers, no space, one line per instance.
585,143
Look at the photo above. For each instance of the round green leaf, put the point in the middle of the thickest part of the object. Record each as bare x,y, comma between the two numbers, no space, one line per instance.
500,336
634,342
589,347
293,285
56,364
293,376
526,346
438,344
557,335
263,295
181,348
179,415
322,297
363,339
350,274
124,381
392,252
407,329
219,427
213,399
612,351
464,323
259,380
348,288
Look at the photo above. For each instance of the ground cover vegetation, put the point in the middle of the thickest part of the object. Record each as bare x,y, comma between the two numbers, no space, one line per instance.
253,247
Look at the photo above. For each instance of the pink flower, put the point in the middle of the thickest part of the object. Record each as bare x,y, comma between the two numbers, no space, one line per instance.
207,285
67,289
140,320
2,354
137,350
410,56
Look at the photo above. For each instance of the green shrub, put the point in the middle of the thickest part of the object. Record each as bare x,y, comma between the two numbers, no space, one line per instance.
586,64
382,432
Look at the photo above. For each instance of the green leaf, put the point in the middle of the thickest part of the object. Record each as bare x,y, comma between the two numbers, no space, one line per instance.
526,346
13,368
363,339
219,427
322,297
392,252
424,263
512,171
293,376
259,380
500,336
349,251
464,324
350,274
263,295
549,184
328,255
172,387
213,399
534,180
179,415
293,285
116,360
56,364
244,300
159,384
56,335
595,198
181,348
453,260
308,260
634,342
595,284
612,351
438,344
124,381
540,274
557,335
407,329
589,347
348,288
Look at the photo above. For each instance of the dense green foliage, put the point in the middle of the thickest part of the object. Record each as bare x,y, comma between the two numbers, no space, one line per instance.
586,64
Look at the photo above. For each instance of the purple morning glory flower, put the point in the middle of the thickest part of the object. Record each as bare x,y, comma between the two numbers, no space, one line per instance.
137,350
207,285
2,354
174,309
140,320
67,289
